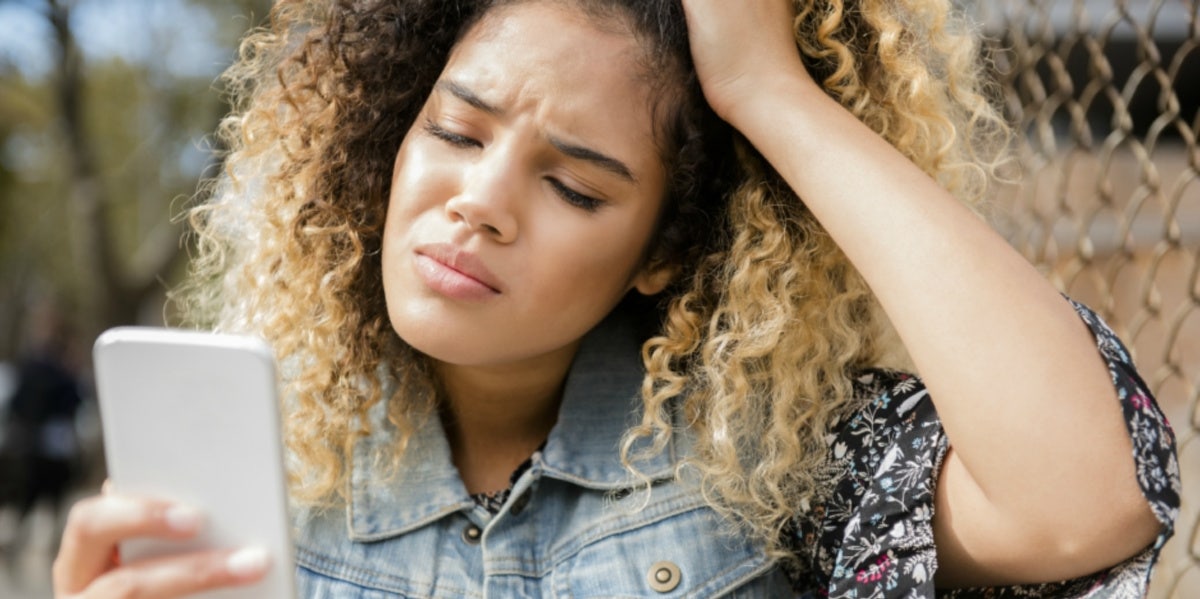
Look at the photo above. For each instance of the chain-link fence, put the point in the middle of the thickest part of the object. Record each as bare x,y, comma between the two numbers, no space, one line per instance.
1104,94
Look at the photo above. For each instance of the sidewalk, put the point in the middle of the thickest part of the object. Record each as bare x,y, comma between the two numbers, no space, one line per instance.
30,576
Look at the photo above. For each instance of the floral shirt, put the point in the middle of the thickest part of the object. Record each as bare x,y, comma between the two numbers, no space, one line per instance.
870,535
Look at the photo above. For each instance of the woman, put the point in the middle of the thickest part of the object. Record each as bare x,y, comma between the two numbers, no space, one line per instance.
461,317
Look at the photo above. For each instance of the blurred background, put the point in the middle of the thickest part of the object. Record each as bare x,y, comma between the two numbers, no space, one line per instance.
106,107
105,111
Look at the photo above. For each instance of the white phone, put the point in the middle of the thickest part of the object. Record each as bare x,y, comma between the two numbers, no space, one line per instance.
193,417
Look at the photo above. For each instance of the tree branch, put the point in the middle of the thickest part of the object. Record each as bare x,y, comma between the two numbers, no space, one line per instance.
97,249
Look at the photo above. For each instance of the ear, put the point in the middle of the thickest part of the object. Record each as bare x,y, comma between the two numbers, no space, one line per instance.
654,279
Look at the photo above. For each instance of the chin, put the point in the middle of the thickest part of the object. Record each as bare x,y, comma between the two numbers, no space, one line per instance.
448,351
442,343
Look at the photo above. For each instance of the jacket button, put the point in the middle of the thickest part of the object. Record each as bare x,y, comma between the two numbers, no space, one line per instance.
519,504
471,534
664,577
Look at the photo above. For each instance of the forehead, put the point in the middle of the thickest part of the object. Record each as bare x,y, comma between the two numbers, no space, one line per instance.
579,70
558,31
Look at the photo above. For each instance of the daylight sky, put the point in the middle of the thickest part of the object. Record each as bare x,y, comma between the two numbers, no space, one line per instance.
178,37
166,34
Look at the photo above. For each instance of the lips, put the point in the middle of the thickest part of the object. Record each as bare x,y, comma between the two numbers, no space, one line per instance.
454,272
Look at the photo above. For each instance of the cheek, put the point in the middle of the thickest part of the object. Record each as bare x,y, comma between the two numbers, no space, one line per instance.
403,210
417,185
595,260
407,165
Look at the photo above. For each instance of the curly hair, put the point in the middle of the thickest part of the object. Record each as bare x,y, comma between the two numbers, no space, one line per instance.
759,352
755,342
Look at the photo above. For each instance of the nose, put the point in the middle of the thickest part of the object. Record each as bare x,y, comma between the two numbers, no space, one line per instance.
489,196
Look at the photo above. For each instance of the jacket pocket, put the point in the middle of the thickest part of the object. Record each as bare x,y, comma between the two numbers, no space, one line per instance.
686,554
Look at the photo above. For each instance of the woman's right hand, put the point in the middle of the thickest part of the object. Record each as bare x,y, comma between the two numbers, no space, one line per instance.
87,566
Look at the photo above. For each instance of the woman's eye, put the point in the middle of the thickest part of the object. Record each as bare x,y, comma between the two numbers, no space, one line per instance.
450,137
575,198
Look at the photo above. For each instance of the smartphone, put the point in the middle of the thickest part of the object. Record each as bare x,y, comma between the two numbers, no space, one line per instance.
194,417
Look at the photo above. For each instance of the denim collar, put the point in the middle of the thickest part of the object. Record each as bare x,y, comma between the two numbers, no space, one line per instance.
601,399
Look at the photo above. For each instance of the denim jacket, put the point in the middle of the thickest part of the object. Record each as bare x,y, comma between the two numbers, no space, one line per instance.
572,525
575,524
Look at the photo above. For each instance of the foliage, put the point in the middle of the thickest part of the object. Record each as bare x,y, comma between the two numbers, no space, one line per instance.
87,202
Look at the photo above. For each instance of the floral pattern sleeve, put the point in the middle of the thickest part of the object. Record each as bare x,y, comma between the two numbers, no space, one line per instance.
870,535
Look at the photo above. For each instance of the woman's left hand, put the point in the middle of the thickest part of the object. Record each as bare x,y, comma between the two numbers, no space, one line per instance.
740,49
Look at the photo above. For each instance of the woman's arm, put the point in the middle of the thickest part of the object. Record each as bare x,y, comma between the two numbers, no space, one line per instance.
1039,484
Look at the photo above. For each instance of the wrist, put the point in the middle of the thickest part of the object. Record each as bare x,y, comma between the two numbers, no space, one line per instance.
752,103
757,109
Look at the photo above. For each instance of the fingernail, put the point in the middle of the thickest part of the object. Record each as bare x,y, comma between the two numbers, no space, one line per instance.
250,561
182,518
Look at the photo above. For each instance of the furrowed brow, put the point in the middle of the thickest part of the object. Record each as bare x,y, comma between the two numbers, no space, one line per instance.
607,163
462,93
601,160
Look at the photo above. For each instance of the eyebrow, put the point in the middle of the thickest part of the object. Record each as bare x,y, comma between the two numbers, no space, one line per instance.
462,93
607,163
578,152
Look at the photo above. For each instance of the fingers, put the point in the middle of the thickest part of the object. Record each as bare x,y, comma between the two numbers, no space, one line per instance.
95,526
179,575
86,566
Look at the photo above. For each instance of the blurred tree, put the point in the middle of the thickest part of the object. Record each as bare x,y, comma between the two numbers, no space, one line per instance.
96,157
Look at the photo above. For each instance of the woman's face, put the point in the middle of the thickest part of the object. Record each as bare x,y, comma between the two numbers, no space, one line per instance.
525,195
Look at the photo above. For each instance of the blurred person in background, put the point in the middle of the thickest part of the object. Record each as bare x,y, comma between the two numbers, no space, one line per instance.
40,447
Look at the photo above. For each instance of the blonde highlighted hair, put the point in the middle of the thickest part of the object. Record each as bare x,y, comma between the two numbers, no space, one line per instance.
761,332
760,350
